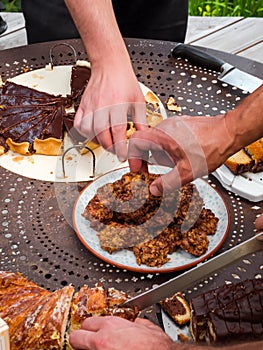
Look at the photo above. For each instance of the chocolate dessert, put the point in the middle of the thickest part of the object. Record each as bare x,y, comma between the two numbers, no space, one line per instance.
35,122
31,121
177,308
80,76
228,313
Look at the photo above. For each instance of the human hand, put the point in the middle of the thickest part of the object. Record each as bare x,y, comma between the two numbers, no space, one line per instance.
116,333
112,94
192,146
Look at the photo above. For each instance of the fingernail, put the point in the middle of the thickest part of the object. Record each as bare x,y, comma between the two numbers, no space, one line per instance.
154,190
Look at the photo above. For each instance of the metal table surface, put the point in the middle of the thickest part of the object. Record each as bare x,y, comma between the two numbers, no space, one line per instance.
36,236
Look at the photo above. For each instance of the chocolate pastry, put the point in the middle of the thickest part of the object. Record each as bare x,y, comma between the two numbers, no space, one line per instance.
228,313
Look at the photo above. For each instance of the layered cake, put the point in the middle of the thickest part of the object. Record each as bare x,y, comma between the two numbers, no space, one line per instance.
177,308
231,312
249,158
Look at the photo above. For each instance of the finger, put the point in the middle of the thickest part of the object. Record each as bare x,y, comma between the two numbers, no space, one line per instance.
101,125
146,323
180,175
138,149
96,323
81,339
259,222
84,124
138,113
118,121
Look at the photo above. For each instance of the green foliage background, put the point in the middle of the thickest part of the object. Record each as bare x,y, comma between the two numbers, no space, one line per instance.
245,8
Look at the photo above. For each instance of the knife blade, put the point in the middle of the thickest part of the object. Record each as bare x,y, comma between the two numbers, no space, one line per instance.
228,73
186,279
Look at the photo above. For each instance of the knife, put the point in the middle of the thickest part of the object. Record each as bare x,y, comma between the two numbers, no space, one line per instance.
228,73
186,279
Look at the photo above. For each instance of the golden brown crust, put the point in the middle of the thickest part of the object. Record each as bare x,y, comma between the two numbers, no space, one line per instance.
21,148
239,162
152,99
49,147
249,158
98,301
255,151
36,318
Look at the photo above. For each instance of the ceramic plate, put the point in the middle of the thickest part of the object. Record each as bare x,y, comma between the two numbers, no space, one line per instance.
125,259
49,168
247,185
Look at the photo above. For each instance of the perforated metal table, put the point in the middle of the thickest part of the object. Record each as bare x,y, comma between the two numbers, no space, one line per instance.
36,237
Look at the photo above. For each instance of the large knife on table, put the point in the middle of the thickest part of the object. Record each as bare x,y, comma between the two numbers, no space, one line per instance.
199,272
228,73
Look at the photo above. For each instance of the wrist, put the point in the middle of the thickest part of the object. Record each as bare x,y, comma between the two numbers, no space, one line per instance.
244,123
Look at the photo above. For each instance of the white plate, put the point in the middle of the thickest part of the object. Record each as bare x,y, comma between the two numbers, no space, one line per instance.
49,168
248,185
125,259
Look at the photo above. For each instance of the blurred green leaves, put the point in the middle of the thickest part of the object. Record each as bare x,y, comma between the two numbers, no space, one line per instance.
243,8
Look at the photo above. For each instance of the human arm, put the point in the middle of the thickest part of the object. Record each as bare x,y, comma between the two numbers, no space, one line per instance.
113,91
196,146
115,333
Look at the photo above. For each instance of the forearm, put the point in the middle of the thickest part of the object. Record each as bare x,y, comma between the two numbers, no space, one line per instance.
245,123
99,30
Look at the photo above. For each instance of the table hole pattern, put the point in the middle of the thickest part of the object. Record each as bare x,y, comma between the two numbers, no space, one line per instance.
38,241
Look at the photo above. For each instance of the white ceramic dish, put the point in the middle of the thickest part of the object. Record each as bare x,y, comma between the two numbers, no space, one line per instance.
125,259
248,185
49,168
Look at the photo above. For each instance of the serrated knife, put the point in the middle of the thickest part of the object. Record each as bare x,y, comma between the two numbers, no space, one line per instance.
199,272
228,73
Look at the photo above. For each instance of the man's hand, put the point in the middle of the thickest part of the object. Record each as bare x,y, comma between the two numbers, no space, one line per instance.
112,95
183,144
116,333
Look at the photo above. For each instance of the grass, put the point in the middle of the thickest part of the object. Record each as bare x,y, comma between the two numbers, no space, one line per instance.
245,8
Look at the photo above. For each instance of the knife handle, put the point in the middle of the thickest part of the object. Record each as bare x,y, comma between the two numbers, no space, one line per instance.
198,57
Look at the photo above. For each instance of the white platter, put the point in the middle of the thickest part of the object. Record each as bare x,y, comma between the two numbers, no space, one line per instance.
49,168
248,185
125,259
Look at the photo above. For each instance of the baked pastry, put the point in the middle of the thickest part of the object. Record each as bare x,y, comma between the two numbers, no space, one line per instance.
99,301
37,318
255,151
228,313
239,162
177,308
249,158
127,216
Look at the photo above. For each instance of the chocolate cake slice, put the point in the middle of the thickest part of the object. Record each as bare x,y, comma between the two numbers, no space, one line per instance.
80,75
31,121
228,313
